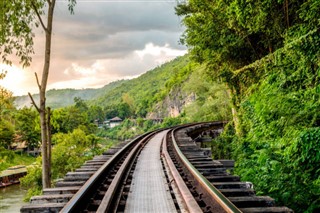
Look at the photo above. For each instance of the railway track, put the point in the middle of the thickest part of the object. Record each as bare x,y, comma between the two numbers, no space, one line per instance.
196,182
213,188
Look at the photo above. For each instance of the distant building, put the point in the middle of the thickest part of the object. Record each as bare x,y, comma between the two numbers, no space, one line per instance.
115,122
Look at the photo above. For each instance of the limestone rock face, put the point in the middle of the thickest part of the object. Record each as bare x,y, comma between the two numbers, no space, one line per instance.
172,105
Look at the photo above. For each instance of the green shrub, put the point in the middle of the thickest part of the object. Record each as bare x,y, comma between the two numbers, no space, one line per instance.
278,106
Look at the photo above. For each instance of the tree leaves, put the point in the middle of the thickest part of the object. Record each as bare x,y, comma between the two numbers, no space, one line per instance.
16,22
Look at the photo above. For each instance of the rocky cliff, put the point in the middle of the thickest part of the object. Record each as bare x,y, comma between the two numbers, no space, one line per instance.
172,105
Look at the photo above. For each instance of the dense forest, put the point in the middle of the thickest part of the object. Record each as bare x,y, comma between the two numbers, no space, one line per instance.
267,54
253,63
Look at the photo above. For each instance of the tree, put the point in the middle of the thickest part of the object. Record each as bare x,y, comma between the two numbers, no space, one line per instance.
229,34
96,113
127,99
239,32
6,133
67,119
6,103
80,104
6,126
18,19
27,125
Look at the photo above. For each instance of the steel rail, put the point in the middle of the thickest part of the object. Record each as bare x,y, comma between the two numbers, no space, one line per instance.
188,199
78,201
205,185
108,199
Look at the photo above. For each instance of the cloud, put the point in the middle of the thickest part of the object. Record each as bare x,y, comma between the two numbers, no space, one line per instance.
102,72
114,29
106,41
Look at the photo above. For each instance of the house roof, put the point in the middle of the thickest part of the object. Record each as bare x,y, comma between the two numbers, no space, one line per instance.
115,119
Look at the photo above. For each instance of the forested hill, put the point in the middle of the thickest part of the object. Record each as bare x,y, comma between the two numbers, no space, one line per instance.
141,91
57,98
179,86
138,96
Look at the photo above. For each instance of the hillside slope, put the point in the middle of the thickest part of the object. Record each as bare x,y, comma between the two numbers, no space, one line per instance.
169,90
58,98
142,93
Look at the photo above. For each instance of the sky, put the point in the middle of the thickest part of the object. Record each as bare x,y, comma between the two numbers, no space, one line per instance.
104,41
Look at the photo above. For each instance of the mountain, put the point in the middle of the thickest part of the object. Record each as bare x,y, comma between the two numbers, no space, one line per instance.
57,98
141,94
166,91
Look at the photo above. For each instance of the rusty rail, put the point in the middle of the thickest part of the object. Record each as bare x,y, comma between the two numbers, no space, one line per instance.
219,201
80,199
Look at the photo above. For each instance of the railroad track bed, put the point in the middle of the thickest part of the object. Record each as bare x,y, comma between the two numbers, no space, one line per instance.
215,172
195,182
54,199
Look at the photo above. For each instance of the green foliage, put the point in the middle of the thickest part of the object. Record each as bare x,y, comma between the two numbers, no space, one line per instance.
27,126
130,128
10,158
80,104
237,32
33,180
7,156
18,20
71,150
6,133
279,116
138,97
306,155
135,98
58,98
78,116
6,103
6,118
276,98
179,76
212,101
16,36
222,146
170,122
307,151
95,113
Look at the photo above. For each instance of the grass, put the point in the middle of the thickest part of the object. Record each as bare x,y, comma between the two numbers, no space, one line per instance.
17,158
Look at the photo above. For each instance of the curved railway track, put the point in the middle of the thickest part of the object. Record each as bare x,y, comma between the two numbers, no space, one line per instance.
214,189
196,182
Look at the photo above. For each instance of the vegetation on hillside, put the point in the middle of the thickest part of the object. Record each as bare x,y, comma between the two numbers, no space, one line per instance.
135,98
212,101
58,98
267,54
280,125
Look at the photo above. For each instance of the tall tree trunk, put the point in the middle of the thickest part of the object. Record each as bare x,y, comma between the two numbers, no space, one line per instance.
44,151
46,182
49,140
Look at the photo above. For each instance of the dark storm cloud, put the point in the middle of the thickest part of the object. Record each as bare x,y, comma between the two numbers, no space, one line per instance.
121,16
113,30
120,45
